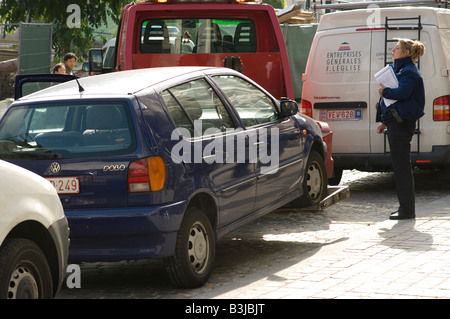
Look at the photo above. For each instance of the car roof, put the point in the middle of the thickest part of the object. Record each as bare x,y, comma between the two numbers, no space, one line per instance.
117,83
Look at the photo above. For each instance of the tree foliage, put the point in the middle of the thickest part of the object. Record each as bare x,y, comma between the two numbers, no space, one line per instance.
92,13
277,4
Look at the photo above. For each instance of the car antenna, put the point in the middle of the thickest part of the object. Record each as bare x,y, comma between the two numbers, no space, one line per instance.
80,88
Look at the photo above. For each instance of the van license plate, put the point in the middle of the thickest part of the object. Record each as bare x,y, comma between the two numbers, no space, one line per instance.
340,115
65,185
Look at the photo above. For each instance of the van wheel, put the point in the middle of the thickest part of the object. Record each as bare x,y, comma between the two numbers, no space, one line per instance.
24,271
192,263
314,181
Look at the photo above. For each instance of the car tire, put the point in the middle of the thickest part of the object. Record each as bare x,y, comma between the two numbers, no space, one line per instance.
24,271
314,182
192,263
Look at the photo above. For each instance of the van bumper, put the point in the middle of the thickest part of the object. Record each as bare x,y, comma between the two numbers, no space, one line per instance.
439,157
124,233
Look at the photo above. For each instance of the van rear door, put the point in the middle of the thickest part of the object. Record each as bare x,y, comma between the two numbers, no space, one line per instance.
340,78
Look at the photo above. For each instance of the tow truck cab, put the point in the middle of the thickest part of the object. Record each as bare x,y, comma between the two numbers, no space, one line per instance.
243,36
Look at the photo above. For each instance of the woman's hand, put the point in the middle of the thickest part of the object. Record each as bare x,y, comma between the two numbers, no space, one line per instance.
381,127
380,89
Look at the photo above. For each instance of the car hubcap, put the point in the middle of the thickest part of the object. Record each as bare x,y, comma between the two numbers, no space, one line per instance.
198,247
22,285
314,181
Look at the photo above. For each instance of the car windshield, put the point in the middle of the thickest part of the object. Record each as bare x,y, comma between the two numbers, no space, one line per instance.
197,35
68,130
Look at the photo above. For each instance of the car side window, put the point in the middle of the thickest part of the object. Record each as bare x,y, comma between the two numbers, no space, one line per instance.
253,106
195,106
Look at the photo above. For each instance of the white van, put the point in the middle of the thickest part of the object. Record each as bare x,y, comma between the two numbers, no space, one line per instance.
339,85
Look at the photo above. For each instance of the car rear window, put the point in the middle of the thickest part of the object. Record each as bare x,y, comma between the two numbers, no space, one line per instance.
197,35
67,130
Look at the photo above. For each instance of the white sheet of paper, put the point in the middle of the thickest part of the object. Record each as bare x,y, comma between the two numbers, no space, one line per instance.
386,76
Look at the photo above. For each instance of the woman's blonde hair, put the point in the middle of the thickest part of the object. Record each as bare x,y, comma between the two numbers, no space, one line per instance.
416,48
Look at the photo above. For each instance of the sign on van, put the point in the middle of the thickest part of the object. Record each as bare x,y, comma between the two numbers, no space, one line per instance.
343,60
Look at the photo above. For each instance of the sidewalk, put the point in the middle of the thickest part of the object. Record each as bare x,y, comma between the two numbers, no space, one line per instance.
389,259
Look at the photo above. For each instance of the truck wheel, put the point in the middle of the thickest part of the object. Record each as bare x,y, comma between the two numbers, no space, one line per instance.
24,271
314,181
191,265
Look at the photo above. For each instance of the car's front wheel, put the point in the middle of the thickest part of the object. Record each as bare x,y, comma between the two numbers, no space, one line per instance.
192,263
314,184
24,271
314,181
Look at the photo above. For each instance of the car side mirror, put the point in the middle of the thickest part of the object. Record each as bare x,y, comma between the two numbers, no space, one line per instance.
95,61
288,107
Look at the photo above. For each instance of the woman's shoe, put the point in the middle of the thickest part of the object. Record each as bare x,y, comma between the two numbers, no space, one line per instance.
397,216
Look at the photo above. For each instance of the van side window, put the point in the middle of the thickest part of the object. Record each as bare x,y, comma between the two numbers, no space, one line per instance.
256,108
196,107
197,35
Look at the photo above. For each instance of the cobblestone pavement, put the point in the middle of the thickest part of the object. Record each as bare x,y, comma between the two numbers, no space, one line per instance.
349,250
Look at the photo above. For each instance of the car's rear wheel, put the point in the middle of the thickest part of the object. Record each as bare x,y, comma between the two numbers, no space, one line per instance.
24,271
192,263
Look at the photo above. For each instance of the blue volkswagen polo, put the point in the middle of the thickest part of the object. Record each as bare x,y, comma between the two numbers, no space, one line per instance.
161,162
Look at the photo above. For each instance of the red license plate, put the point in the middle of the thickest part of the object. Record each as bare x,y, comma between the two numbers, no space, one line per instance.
65,185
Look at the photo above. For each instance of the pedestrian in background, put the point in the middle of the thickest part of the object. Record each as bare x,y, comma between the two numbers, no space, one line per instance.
59,69
400,120
69,62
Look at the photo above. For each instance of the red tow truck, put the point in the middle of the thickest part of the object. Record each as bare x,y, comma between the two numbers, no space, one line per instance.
242,36
228,33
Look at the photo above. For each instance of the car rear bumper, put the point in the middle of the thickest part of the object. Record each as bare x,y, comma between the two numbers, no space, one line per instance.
124,233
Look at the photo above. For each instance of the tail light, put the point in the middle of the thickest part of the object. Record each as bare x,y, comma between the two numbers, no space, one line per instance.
441,108
306,108
146,175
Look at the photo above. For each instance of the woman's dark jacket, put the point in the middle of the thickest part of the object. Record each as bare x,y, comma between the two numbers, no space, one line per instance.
410,94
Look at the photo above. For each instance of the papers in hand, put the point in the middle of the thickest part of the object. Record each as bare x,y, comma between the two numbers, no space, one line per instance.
387,77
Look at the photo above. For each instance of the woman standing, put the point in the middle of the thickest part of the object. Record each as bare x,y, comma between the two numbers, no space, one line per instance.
400,120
